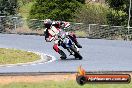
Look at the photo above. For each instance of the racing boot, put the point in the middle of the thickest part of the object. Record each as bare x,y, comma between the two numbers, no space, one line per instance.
63,55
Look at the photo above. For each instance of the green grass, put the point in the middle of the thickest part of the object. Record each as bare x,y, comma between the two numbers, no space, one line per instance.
63,84
11,56
81,33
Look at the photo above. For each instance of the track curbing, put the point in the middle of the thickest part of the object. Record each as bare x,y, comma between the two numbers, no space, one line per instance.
44,59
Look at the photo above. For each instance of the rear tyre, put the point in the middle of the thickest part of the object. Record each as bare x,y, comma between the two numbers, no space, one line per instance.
77,54
78,45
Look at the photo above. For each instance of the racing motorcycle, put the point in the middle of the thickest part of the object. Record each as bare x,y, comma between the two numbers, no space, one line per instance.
63,39
66,42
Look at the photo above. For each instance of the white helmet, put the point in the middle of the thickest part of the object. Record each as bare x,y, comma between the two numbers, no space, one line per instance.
47,21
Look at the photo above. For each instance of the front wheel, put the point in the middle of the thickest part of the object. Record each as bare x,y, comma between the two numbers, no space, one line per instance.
76,53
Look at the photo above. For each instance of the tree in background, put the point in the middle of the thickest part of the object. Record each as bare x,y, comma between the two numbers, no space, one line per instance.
118,14
92,13
8,7
82,1
54,9
24,2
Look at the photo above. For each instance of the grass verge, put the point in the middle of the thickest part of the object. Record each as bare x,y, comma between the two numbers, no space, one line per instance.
11,56
63,84
81,33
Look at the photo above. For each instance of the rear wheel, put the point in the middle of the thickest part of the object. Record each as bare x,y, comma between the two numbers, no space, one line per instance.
78,56
76,53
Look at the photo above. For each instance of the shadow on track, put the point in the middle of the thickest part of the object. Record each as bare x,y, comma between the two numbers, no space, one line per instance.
67,59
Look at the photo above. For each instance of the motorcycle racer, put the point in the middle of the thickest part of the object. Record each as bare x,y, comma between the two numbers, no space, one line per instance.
55,29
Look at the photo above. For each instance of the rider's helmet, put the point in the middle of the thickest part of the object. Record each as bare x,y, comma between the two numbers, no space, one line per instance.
56,24
47,23
62,24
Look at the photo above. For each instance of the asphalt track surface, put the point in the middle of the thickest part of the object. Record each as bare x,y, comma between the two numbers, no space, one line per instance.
98,54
